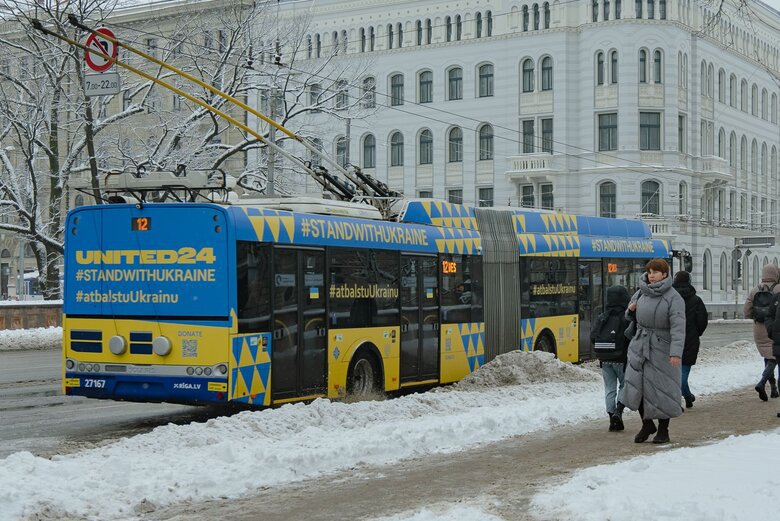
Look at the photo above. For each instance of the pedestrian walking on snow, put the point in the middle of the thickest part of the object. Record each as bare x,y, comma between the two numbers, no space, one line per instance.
757,306
695,324
655,352
610,345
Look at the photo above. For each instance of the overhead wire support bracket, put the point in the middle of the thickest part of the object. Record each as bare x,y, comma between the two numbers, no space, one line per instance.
73,20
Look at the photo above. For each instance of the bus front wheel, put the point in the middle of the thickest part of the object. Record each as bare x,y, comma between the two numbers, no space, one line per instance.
363,379
545,343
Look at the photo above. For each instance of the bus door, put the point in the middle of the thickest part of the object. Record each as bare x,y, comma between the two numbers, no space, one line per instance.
298,354
419,318
590,300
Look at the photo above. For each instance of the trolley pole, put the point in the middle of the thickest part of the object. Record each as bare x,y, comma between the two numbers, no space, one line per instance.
346,138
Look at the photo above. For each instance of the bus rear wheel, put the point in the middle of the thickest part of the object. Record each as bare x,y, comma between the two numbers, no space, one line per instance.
363,378
545,343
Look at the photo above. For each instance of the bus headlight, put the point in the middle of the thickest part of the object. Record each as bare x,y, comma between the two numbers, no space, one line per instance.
161,346
222,369
207,371
117,344
70,364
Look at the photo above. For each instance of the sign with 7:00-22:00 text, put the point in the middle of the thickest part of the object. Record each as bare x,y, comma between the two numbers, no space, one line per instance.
101,82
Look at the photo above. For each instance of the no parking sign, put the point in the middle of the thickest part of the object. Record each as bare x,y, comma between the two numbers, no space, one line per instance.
107,46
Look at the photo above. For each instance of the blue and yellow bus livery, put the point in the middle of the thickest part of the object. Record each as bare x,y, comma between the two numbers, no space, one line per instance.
244,303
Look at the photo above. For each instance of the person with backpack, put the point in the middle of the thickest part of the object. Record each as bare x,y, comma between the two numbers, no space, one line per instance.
610,346
758,307
695,324
655,352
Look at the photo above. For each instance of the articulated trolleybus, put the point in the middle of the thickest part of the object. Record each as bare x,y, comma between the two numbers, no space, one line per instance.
265,302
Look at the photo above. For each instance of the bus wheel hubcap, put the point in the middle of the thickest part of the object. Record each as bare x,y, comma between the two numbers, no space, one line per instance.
364,377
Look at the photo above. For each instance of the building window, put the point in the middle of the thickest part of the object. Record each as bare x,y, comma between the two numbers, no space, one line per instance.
448,28
426,87
547,135
681,133
369,93
525,18
458,28
315,91
342,95
479,25
651,200
455,145
606,10
371,39
682,199
390,37
400,31
657,67
743,104
151,47
638,5
428,31
613,66
455,83
600,68
369,152
650,9
362,41
397,90
341,151
649,131
595,11
485,197
528,75
528,136
485,81
547,196
547,73
617,9
397,149
754,100
608,200
127,99
319,45
426,147
536,17
419,32
722,86
608,136
455,196
527,196
425,194
733,90
662,9
489,17
642,66
485,142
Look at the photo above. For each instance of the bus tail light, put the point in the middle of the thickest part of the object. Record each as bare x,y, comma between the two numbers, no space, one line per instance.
117,344
161,346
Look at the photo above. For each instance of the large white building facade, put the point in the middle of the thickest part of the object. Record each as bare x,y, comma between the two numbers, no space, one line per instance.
651,108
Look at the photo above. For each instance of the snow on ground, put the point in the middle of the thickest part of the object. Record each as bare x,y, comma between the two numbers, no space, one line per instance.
37,338
727,481
296,442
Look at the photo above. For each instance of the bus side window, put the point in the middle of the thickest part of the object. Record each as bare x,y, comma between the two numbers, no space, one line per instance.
253,276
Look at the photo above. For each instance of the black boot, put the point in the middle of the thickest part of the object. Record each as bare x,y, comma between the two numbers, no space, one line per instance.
648,428
617,417
611,422
663,432
773,388
761,390
689,401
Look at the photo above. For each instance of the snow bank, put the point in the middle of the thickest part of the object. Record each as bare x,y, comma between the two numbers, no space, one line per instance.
522,368
38,338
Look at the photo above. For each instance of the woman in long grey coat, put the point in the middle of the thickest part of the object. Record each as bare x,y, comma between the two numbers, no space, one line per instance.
654,354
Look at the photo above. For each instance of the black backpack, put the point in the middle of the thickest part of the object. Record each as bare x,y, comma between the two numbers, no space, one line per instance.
607,331
769,321
762,302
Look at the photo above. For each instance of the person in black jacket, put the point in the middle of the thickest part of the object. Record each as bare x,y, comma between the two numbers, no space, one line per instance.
611,346
695,324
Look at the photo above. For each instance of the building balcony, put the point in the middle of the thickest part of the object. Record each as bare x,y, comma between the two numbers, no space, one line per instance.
714,168
529,168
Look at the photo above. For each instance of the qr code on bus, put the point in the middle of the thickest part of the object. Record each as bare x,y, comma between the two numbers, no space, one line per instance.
189,348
